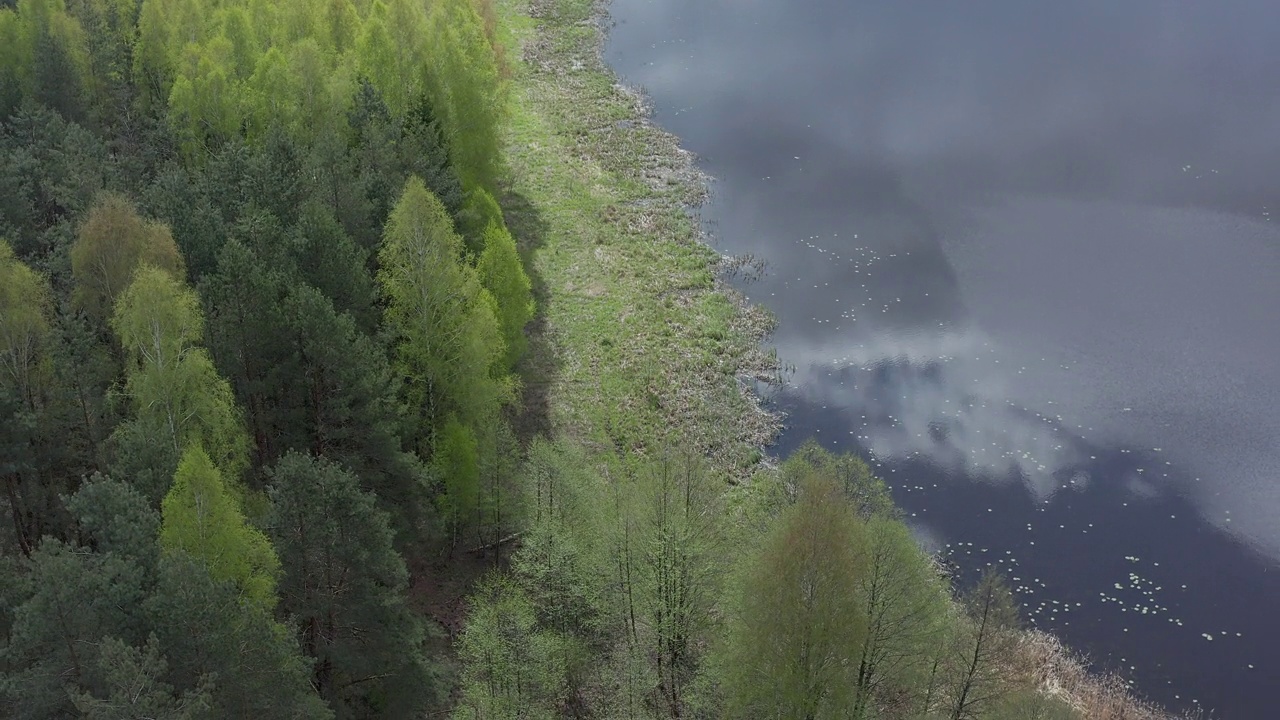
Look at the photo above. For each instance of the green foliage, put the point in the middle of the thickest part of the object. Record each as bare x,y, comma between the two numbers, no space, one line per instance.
504,277
798,621
134,687
116,518
202,518
75,599
906,604
179,197
50,172
48,59
175,390
564,562
250,664
867,492
478,214
111,244
511,668
456,460
465,82
345,588
980,671
447,336
25,305
675,568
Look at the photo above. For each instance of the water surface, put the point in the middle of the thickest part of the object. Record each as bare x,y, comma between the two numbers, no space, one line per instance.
1022,256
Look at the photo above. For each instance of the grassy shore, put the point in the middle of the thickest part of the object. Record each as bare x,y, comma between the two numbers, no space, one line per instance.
638,341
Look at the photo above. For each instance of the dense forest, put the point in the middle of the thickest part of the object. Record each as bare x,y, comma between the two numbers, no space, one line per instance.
262,322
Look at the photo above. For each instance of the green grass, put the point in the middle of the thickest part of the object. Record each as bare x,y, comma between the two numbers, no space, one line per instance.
638,344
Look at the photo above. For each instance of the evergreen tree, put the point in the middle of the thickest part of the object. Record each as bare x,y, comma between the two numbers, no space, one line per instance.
214,641
134,687
344,586
76,598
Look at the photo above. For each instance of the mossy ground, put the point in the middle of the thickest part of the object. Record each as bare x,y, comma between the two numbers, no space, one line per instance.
638,342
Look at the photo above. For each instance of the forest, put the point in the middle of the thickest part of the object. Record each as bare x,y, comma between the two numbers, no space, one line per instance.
264,338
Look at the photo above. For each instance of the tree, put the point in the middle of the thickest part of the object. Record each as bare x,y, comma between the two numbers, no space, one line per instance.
984,651
249,338
175,390
501,501
208,631
179,197
456,461
344,586
330,261
76,598
464,82
111,244
52,171
504,277
799,623
867,492
135,687
348,410
112,517
906,603
565,560
447,337
201,517
677,568
24,325
511,668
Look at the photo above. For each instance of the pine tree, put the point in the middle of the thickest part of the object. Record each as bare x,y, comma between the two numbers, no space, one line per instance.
344,586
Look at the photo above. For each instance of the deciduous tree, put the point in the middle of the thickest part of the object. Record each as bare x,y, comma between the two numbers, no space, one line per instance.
25,306
111,244
798,623
176,393
504,277
447,336
202,518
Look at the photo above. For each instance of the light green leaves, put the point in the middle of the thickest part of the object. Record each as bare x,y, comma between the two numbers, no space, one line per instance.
504,277
176,392
448,338
24,324
201,517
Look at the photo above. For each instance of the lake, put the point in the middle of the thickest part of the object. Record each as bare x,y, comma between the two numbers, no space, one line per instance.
1023,258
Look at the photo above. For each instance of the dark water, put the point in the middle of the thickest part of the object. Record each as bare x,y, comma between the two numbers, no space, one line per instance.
1022,255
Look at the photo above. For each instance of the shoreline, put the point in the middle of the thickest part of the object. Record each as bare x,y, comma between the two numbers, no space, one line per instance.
642,338
636,317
